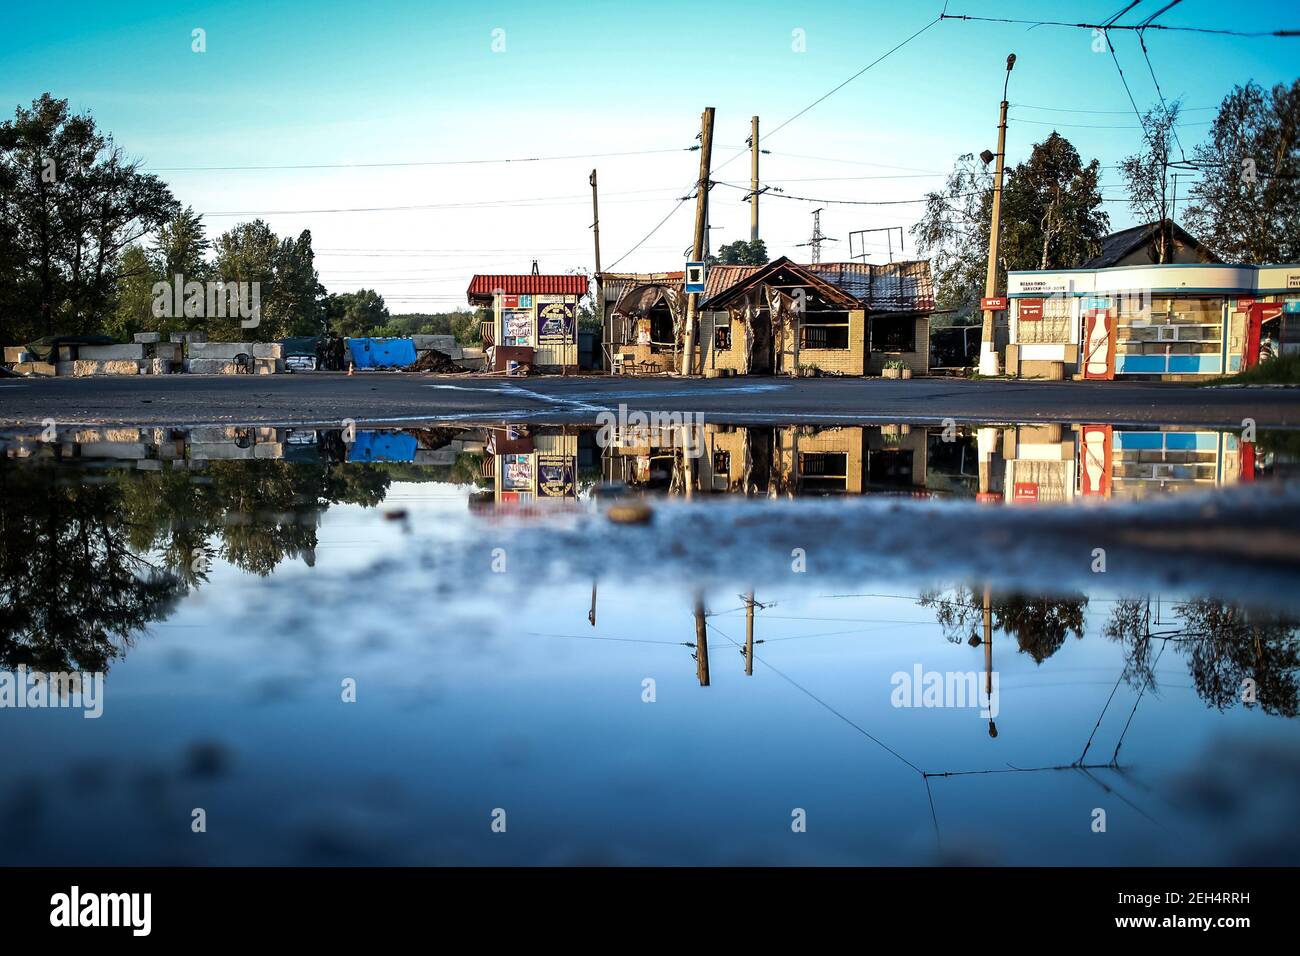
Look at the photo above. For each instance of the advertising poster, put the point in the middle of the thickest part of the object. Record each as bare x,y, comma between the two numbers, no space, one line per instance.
555,322
517,473
518,326
555,476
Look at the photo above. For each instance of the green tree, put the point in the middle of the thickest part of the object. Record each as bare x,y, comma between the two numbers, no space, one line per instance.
743,253
248,254
954,232
356,314
1150,188
1052,209
1052,218
70,203
134,307
1246,206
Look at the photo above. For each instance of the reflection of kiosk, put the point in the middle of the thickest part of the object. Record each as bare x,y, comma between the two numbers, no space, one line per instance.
532,470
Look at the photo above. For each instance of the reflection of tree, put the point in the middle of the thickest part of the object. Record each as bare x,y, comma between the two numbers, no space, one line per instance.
1229,644
1225,645
1130,623
84,564
1039,624
71,589
255,514
955,610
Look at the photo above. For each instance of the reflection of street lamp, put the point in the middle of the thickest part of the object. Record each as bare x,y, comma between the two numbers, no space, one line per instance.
988,353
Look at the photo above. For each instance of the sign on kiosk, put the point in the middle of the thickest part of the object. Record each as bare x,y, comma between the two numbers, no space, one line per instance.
1031,310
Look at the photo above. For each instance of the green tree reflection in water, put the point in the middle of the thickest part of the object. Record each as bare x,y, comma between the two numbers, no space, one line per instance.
88,561
1236,655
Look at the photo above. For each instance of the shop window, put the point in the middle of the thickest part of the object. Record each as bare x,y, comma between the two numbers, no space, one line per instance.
824,330
890,334
890,469
823,472
722,462
722,338
1053,325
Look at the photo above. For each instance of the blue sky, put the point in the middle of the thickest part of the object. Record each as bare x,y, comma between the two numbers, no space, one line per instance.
295,83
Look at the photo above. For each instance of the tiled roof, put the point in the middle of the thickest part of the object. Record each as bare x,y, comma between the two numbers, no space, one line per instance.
719,279
485,286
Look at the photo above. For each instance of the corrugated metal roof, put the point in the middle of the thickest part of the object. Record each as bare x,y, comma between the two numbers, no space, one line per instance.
528,285
880,287
889,287
615,284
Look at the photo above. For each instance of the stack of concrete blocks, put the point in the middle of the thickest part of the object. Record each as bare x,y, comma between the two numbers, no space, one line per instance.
161,358
102,359
24,362
234,443
235,358
472,357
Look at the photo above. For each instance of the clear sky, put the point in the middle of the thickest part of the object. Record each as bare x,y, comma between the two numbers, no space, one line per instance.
289,83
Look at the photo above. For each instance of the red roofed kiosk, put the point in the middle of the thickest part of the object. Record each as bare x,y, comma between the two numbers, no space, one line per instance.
537,312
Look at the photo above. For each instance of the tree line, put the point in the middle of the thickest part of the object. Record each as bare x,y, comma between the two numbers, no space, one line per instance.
86,236
1244,204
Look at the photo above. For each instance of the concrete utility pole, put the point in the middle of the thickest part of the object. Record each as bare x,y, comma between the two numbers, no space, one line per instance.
701,225
605,335
988,352
753,179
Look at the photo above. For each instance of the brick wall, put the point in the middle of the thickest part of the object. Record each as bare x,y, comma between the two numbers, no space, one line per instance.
918,361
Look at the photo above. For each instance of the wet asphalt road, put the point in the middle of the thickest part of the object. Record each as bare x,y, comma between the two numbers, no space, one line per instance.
324,397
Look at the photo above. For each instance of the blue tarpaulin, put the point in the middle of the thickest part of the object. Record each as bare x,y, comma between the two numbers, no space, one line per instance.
383,446
382,353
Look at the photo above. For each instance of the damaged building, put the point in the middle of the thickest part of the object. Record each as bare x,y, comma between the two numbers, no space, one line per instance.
846,318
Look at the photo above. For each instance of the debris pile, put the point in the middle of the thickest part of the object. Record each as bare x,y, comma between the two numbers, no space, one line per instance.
433,360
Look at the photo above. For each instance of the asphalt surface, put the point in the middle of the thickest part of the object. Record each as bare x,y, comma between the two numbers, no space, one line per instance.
395,398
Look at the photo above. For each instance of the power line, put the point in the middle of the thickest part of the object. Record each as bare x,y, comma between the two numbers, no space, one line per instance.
1094,126
780,127
1065,109
429,162
1104,27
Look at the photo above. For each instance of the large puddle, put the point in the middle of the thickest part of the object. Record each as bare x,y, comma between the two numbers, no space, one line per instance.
894,644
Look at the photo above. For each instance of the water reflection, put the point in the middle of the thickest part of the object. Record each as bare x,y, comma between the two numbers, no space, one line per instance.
481,684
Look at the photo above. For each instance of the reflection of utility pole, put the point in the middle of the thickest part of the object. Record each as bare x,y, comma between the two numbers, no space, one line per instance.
701,643
988,655
749,633
591,615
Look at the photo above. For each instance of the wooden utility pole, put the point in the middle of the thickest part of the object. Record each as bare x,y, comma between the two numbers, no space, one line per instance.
701,643
605,336
753,179
701,225
988,350
749,633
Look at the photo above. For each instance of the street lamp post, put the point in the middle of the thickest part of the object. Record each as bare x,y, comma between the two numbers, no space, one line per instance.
988,351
